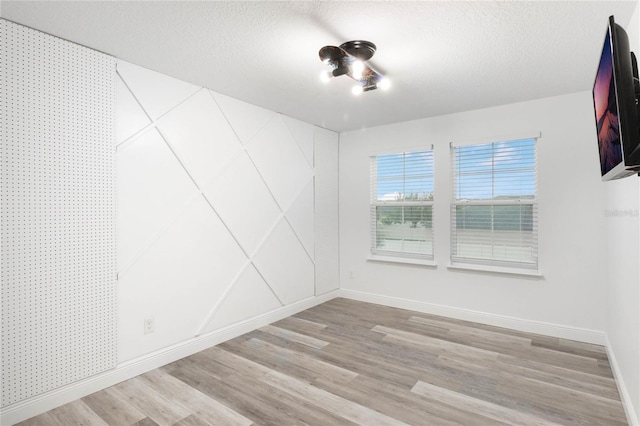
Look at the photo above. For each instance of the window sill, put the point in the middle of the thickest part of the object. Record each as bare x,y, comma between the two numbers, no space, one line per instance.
495,269
404,260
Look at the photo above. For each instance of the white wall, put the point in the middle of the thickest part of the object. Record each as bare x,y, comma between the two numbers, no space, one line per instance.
216,228
623,281
623,277
216,211
568,300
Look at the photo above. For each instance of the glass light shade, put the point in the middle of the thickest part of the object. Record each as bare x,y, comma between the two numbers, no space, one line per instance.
357,68
384,84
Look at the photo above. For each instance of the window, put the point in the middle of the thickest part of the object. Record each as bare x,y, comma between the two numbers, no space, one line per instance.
494,209
402,205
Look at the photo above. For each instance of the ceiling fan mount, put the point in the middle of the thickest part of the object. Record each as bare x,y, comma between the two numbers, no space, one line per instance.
349,59
360,49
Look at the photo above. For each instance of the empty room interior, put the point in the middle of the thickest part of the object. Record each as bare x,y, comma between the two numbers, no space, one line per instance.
321,213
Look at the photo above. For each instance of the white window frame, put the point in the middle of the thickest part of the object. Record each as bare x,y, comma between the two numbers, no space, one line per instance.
377,254
485,264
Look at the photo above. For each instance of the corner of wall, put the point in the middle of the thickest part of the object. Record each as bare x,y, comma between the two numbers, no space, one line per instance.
623,275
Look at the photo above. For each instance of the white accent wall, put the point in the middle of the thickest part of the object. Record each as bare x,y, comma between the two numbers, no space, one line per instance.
131,197
216,219
622,225
567,301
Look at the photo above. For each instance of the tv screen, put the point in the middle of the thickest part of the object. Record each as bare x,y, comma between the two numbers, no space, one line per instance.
615,109
606,108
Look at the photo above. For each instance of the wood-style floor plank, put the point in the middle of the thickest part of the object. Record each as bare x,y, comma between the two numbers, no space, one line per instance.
146,399
352,363
320,368
295,336
345,408
113,408
206,408
145,422
44,419
484,408
76,413
192,420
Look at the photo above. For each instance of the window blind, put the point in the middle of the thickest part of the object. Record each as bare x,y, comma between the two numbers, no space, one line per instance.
494,214
402,204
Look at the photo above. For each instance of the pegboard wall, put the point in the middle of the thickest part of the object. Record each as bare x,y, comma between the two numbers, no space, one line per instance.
58,212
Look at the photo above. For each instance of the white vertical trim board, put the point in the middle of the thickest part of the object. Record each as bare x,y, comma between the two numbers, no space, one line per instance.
326,217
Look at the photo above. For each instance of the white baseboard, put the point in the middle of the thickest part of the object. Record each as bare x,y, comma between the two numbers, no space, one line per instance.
632,416
538,327
23,410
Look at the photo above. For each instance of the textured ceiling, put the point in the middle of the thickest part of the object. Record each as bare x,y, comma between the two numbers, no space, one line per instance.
441,57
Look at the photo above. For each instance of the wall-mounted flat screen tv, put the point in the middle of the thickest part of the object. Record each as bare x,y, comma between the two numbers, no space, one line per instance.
616,111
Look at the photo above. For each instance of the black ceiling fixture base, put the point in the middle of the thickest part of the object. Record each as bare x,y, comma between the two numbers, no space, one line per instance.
350,59
360,49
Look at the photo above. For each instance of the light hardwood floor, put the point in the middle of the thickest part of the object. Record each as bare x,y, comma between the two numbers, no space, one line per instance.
346,362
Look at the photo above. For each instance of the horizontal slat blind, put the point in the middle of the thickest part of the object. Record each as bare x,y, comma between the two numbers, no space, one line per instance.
402,204
494,215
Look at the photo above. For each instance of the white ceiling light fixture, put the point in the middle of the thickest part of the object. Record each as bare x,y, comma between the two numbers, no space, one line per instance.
349,59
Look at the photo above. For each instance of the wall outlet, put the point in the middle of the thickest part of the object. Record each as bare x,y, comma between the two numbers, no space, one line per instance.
149,325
